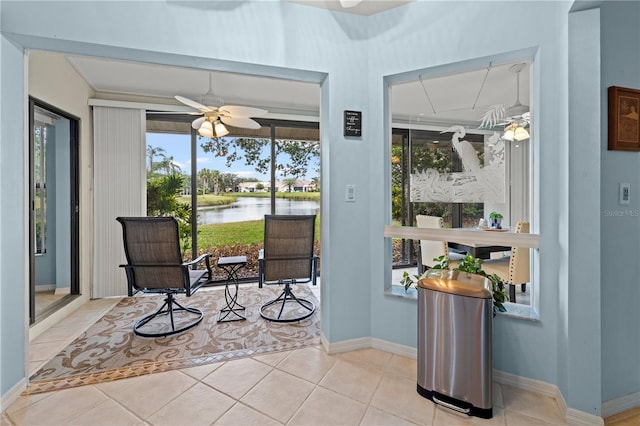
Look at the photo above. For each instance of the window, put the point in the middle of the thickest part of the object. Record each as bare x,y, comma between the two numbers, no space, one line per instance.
238,179
40,130
460,150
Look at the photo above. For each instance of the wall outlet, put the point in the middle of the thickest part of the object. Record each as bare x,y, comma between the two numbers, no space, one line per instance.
624,196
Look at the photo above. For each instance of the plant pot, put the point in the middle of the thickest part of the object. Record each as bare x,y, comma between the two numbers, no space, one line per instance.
495,223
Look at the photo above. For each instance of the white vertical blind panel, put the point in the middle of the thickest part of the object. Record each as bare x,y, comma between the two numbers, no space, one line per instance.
520,193
119,190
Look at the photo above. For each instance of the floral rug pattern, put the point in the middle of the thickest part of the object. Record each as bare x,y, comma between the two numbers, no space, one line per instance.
109,350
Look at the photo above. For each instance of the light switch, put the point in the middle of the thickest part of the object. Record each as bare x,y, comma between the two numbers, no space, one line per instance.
625,193
351,193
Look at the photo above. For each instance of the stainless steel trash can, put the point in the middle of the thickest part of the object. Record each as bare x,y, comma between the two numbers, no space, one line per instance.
455,367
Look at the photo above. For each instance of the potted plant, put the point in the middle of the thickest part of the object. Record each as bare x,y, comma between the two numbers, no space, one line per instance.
495,220
472,265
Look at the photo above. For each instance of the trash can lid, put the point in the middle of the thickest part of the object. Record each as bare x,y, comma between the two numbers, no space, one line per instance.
457,282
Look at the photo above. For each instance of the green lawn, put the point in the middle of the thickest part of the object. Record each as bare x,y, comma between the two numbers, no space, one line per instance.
229,234
209,200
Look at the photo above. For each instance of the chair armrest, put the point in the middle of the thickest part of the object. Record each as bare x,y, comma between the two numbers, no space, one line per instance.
200,258
153,265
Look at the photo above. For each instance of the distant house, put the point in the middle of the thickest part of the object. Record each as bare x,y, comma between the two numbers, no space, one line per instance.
299,186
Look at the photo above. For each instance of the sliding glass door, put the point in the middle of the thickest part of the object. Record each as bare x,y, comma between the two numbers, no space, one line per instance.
224,186
54,214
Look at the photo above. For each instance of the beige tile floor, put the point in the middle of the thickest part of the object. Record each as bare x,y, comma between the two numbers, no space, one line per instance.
46,298
299,387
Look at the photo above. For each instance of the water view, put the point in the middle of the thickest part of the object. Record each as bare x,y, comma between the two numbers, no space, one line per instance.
250,208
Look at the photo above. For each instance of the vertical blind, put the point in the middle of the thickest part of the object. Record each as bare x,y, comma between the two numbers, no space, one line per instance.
119,190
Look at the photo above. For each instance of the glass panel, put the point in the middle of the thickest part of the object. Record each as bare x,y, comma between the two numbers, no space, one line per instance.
40,186
234,186
169,182
461,163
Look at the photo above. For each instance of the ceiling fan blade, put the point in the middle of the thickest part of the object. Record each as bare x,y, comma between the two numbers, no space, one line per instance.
193,104
242,122
241,111
198,122
349,3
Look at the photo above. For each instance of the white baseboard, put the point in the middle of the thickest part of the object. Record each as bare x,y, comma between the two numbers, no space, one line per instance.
345,345
45,287
13,394
579,418
367,343
62,291
619,405
394,348
572,416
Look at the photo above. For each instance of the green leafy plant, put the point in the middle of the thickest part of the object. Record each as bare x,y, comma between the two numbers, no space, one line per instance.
162,194
495,215
469,264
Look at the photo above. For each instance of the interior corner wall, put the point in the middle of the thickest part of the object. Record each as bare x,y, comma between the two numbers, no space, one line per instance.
53,80
421,38
13,214
580,321
620,230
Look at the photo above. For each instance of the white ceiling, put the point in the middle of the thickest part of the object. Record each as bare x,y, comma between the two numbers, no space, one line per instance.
460,98
452,97
111,78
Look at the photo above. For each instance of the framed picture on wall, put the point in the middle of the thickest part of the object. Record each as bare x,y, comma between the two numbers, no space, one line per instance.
624,126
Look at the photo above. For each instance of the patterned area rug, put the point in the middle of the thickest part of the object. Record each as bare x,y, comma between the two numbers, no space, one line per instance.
109,350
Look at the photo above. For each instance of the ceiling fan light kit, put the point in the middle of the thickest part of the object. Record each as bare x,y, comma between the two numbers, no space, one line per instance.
220,129
515,118
516,132
206,129
211,123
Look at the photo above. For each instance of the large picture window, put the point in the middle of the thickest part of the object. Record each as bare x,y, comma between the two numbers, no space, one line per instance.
239,178
460,152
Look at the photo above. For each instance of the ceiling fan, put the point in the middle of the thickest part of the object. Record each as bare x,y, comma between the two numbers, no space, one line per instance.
515,118
213,120
346,4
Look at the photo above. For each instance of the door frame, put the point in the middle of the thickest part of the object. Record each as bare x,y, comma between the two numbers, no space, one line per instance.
74,149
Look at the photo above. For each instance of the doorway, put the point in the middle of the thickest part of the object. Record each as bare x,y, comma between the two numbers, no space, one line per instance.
54,209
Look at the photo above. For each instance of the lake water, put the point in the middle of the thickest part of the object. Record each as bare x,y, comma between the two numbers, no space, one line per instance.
249,208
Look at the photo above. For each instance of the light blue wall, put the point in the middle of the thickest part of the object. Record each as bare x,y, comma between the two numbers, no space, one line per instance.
620,234
13,216
435,34
579,301
350,56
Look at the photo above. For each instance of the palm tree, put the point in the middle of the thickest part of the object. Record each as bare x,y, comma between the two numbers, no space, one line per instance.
169,166
290,182
205,178
153,152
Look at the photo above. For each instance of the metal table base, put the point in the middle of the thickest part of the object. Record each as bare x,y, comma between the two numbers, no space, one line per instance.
233,311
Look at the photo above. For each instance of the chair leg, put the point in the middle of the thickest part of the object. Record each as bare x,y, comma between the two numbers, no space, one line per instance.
512,293
169,306
523,287
285,297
